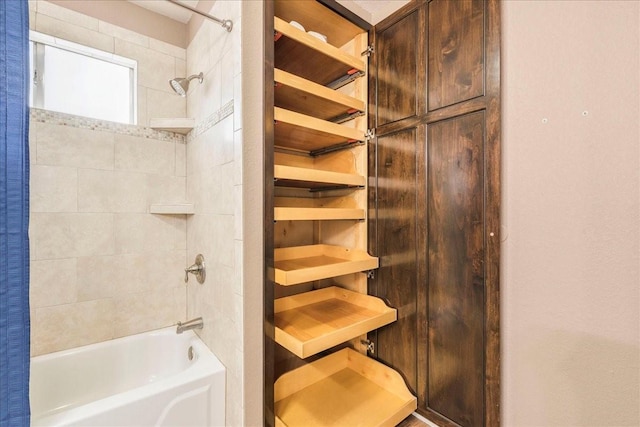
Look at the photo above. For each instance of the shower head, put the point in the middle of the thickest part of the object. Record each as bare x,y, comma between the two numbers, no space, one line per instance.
181,84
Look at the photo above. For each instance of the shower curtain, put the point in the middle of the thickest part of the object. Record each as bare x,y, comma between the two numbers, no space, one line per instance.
14,213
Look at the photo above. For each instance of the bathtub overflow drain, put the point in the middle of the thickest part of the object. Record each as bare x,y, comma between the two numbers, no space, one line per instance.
190,353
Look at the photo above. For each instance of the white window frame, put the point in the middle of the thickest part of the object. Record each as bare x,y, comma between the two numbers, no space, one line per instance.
40,39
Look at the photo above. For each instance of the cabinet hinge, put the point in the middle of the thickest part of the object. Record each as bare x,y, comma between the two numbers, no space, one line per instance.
371,347
368,51
371,274
370,134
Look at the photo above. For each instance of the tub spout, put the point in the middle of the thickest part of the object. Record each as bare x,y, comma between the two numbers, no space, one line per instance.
189,324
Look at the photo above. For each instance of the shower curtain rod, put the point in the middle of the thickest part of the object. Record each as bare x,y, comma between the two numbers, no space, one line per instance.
226,23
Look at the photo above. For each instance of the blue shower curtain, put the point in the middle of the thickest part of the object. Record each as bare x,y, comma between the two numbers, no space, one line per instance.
14,213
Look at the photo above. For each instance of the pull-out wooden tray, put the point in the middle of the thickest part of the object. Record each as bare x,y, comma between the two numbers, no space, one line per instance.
317,214
306,97
311,322
323,63
300,132
342,389
302,264
293,176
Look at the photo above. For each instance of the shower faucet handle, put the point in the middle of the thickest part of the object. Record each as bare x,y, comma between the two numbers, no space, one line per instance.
196,269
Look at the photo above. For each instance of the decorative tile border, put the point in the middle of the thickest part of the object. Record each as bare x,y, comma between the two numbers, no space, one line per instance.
209,122
63,119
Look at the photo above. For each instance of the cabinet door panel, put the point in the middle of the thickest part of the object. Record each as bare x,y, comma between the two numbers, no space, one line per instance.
395,221
456,52
397,73
455,206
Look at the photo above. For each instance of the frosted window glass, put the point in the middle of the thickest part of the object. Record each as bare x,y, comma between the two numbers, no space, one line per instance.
77,84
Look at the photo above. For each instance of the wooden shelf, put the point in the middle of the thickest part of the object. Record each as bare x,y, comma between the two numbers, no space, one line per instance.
342,389
182,125
316,214
298,177
302,264
311,322
295,131
306,97
172,209
306,56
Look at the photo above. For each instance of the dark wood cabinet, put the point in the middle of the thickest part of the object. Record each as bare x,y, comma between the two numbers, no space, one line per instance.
431,182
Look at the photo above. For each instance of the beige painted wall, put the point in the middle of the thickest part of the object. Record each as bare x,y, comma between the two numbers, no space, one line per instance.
571,162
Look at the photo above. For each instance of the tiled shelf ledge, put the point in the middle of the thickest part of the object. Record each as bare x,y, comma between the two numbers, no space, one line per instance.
172,209
178,125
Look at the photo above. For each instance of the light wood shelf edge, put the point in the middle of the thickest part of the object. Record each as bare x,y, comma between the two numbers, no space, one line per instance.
295,173
302,120
327,49
317,214
377,314
343,261
313,88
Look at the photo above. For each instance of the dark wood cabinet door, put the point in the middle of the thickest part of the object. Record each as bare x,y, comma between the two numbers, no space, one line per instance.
455,52
455,212
397,75
436,221
399,221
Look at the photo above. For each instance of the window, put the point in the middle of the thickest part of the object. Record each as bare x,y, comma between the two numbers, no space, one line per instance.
75,79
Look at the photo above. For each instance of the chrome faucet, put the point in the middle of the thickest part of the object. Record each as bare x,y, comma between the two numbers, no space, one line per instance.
189,324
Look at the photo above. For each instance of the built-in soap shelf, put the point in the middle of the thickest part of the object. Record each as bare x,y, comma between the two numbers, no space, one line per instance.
172,208
178,125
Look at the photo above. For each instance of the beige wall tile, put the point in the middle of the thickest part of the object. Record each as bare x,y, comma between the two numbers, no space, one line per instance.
64,30
69,235
143,118
181,68
123,34
53,189
52,282
112,191
59,145
138,233
161,104
181,160
138,154
166,189
71,325
101,276
169,49
237,212
237,156
237,102
148,310
155,69
67,15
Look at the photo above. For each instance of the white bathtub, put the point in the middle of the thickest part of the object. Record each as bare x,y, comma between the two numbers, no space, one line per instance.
141,380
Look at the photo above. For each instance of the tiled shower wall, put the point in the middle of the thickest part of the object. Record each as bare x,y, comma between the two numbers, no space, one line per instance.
102,266
214,184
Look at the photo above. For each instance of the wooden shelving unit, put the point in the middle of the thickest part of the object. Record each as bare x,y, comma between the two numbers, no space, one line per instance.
314,321
300,177
299,132
320,106
306,97
323,63
302,264
342,389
